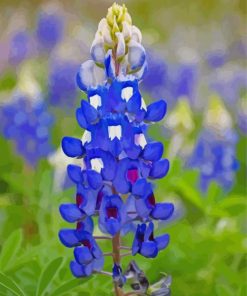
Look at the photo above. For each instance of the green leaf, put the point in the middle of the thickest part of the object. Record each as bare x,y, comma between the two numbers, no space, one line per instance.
10,248
232,201
10,285
188,192
68,286
47,275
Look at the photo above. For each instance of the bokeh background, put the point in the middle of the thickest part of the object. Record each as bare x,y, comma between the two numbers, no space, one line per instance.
197,62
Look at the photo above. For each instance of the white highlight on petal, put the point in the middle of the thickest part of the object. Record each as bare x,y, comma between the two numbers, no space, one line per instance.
97,164
95,101
140,140
115,131
127,93
143,105
86,138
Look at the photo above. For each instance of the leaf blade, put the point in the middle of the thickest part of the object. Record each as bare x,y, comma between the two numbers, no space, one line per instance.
47,275
10,285
10,248
68,286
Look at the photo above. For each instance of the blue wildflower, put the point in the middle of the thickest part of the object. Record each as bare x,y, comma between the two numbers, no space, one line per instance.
117,161
61,88
27,123
145,243
20,47
49,30
215,157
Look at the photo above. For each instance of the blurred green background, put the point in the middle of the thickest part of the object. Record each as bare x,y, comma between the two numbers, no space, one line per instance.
197,54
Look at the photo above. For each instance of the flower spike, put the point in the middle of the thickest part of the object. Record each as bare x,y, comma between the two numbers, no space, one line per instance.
117,159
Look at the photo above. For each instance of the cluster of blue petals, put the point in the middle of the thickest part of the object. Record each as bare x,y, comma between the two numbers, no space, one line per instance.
117,164
27,123
215,157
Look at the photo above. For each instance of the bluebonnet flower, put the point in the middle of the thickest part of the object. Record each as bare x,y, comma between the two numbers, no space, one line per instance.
216,58
20,47
27,124
229,83
117,160
215,151
145,243
61,88
170,80
49,30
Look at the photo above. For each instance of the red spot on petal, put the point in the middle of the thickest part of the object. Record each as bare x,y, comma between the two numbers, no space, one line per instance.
79,226
151,237
132,175
151,199
79,199
86,243
111,212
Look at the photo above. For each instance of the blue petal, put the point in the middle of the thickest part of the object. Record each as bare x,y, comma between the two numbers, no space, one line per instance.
72,147
69,237
142,209
115,147
110,166
94,179
141,187
134,103
149,249
114,96
162,211
133,151
156,111
149,231
89,199
85,77
90,113
81,270
159,169
138,238
153,151
120,182
70,212
162,241
86,225
74,172
81,118
109,65
96,251
112,226
83,255
136,55
98,264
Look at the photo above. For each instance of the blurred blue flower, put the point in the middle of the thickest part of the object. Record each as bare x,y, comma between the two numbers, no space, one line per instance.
61,88
216,58
20,47
156,79
49,30
229,83
27,123
215,157
168,80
